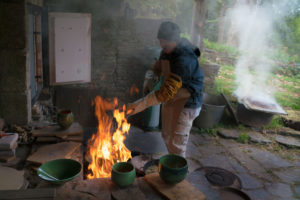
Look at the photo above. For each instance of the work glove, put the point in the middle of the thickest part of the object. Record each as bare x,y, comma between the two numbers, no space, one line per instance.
169,88
142,104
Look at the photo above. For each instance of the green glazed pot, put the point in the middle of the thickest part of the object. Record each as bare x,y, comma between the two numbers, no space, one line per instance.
172,168
60,170
65,118
123,174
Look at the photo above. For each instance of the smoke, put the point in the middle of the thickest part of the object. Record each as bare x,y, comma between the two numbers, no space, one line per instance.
253,27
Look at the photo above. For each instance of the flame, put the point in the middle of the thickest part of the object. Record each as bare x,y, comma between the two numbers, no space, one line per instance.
106,147
134,89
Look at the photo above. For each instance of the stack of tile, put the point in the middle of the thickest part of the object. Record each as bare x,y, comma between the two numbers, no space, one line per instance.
8,145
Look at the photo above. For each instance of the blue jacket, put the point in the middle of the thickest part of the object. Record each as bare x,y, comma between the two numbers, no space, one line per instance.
184,62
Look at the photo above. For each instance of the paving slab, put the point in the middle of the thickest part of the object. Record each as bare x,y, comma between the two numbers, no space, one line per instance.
257,137
229,133
229,143
237,167
281,190
297,191
198,180
249,182
254,167
289,175
260,194
289,132
192,150
288,141
211,148
199,139
217,161
266,159
144,142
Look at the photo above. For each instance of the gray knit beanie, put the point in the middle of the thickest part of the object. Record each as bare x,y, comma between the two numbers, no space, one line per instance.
169,31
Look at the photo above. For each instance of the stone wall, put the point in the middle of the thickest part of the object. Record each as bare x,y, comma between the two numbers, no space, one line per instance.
118,62
14,98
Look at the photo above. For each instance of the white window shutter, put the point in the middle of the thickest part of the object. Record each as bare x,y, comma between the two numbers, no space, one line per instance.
69,48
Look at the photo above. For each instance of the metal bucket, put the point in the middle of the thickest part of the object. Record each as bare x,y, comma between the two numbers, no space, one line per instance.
211,112
253,117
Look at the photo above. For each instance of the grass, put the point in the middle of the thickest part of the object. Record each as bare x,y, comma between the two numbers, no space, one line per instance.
286,84
275,123
220,47
243,138
224,82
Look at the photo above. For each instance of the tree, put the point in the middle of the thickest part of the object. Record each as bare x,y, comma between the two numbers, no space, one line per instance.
198,22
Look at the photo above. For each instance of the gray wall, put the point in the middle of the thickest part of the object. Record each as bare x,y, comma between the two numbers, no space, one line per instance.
14,93
118,59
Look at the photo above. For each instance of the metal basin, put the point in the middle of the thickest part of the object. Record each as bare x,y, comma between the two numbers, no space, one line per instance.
253,118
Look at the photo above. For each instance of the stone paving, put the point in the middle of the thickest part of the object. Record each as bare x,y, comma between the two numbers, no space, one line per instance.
265,174
266,169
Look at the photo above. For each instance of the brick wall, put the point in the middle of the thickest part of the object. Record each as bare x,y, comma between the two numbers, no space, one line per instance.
14,98
117,57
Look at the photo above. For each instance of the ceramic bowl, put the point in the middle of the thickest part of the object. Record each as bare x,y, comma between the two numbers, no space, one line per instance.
172,168
123,174
60,170
65,118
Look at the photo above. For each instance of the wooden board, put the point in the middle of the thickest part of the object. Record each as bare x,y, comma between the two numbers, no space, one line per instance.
74,129
75,138
11,179
128,193
183,190
41,194
53,151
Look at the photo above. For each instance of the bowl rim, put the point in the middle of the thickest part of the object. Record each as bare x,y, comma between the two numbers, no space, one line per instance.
59,180
178,156
127,163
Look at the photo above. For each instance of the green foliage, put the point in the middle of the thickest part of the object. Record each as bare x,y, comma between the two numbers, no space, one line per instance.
220,47
275,123
209,131
276,148
287,100
225,83
185,35
203,60
243,138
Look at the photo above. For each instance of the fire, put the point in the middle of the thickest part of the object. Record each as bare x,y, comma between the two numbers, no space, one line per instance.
106,147
133,90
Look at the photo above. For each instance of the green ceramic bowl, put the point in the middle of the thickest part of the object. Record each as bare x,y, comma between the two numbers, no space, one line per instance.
65,118
60,170
123,174
172,168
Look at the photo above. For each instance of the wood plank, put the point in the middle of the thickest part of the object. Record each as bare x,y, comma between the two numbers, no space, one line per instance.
76,138
74,129
183,190
128,193
11,179
45,193
53,151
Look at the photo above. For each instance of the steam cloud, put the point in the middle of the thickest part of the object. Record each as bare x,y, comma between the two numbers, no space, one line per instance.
253,26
